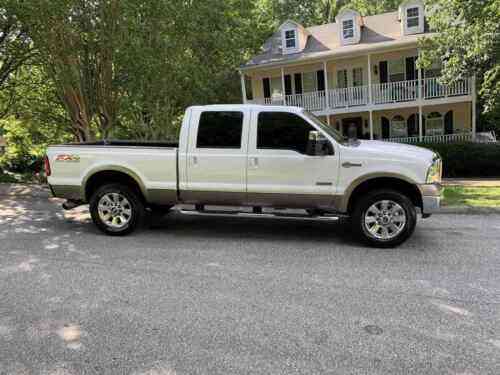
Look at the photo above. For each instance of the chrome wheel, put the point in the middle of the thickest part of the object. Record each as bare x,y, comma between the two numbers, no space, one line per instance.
384,220
114,210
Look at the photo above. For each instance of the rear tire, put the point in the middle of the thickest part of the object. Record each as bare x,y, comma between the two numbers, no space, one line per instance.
384,218
116,209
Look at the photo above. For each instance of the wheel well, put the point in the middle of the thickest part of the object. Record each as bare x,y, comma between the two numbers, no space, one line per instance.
392,183
109,177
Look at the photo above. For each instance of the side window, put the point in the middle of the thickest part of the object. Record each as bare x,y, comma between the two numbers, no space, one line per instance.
220,130
282,131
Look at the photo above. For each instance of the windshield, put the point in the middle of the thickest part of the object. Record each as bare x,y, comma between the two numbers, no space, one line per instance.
335,134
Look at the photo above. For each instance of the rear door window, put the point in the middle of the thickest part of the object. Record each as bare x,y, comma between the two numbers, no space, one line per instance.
220,129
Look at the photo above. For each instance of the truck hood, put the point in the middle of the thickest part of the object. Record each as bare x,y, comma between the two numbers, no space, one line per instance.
395,150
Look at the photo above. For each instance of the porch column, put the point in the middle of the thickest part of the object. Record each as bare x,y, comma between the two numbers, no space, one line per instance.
371,124
474,100
243,87
327,99
370,80
420,101
420,125
283,85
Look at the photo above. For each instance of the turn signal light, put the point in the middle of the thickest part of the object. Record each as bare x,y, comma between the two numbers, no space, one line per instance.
46,165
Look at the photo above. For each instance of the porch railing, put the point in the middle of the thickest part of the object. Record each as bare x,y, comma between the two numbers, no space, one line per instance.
402,91
346,97
434,89
447,138
382,93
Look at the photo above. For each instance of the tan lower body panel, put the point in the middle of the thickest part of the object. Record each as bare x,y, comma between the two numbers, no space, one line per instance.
213,197
162,196
261,199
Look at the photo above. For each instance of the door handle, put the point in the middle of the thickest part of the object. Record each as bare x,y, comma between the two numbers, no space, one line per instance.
350,165
254,162
195,160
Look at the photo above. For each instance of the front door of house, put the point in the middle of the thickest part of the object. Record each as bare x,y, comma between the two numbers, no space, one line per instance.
352,127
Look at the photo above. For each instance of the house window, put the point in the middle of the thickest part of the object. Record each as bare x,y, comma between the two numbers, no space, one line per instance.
348,29
434,125
276,88
396,70
434,70
290,40
398,127
309,81
342,79
357,77
412,17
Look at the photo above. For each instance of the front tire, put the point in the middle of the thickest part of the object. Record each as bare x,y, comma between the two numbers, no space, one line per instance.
116,209
384,218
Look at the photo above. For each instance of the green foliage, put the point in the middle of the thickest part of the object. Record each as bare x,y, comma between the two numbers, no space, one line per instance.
468,159
467,43
471,196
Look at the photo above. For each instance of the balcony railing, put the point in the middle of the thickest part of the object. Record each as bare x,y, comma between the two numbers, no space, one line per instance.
347,97
403,91
382,93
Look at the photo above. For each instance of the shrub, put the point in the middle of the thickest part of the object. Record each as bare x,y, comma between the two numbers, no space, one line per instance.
468,159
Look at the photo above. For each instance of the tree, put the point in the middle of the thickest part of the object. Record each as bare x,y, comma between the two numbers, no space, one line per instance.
15,46
468,43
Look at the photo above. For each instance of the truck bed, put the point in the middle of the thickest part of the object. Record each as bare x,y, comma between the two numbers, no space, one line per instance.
153,165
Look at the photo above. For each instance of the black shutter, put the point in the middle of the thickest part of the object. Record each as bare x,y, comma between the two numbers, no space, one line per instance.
423,126
320,77
410,68
448,122
267,87
298,83
386,132
288,84
384,76
412,125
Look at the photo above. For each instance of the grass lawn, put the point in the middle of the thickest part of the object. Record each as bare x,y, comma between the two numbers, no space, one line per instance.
472,196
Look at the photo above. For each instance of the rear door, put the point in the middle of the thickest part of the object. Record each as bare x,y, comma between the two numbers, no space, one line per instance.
280,173
217,157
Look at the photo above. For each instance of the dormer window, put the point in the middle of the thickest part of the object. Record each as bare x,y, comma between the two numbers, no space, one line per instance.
412,17
290,39
348,29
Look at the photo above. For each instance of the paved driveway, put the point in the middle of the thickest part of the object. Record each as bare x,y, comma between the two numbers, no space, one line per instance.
223,296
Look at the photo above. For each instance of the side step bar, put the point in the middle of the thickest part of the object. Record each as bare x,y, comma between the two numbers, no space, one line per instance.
275,215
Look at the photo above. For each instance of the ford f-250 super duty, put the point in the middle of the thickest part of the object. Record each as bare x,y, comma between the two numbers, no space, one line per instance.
252,157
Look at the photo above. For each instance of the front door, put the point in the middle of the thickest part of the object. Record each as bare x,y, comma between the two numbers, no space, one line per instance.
217,157
353,127
280,173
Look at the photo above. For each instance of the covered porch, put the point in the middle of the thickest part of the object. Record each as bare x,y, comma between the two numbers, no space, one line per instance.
436,123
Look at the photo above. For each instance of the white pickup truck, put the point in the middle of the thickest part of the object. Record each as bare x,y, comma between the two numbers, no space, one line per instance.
263,159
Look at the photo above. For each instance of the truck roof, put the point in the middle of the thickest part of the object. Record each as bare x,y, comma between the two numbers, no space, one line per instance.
260,107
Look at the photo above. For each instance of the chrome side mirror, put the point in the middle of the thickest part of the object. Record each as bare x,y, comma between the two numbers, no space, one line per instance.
318,145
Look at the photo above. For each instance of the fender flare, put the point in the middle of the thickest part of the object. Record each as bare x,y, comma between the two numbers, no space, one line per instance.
346,197
113,168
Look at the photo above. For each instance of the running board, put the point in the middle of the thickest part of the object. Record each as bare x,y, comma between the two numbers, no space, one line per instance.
276,215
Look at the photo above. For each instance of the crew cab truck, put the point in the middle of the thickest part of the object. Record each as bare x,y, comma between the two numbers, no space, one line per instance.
254,157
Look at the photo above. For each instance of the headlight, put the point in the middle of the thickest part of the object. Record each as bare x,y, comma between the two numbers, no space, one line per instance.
435,171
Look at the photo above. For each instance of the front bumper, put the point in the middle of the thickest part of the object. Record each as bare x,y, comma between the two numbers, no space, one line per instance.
431,198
